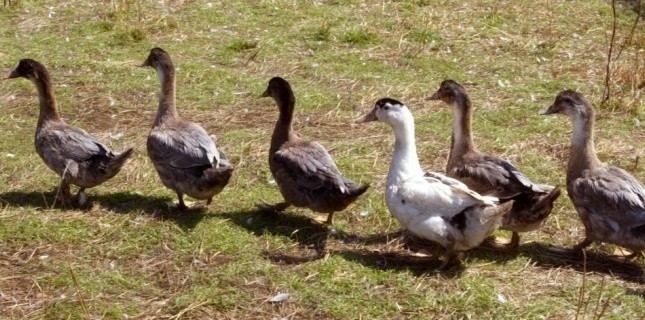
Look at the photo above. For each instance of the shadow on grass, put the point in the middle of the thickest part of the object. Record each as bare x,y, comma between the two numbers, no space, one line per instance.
416,255
314,244
119,202
294,226
187,219
34,199
550,256
127,203
401,261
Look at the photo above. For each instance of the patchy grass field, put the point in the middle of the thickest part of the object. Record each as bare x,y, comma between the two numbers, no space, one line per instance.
119,260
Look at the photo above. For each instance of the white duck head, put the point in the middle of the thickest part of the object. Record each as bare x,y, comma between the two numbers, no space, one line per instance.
405,162
390,111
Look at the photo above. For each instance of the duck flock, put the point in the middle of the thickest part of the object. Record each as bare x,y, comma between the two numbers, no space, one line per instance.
479,194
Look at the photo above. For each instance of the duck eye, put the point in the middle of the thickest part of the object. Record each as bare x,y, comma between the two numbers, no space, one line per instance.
386,107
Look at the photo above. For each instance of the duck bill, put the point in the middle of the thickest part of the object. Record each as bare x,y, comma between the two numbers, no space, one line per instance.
549,110
265,94
434,96
368,117
145,63
11,74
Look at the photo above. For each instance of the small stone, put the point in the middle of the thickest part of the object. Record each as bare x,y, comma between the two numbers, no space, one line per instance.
280,297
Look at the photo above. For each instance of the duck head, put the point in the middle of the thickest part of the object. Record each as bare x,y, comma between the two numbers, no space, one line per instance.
280,90
570,103
277,87
390,111
450,92
28,69
158,59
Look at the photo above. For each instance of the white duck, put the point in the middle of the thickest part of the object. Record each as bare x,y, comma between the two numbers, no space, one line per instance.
428,204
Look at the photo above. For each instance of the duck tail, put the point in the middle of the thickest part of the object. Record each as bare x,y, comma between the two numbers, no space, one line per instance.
114,165
496,214
544,205
357,192
529,210
216,177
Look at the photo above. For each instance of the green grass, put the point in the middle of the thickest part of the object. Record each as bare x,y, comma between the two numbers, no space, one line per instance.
226,260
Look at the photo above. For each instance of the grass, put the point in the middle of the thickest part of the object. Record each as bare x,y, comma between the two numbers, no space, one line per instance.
118,260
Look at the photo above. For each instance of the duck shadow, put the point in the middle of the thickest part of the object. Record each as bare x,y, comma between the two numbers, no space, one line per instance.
127,203
550,256
406,252
119,202
417,264
407,258
546,256
33,199
296,227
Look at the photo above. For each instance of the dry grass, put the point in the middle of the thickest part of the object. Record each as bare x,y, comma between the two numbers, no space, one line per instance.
120,260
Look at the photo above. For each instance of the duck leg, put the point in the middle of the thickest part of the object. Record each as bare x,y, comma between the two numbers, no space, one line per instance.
180,205
209,200
63,195
276,208
81,198
515,241
329,217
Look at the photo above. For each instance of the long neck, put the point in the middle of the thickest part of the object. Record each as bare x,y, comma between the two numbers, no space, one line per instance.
167,109
405,162
48,109
462,140
583,153
282,132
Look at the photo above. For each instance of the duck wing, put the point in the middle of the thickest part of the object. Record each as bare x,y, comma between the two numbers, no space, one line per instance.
459,188
70,143
184,145
613,194
310,166
500,177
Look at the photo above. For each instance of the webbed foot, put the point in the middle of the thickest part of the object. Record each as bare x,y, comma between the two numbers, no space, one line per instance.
322,221
452,260
585,243
276,208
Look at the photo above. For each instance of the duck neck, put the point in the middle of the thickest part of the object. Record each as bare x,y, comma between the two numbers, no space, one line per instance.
405,162
167,109
282,132
583,152
47,101
462,140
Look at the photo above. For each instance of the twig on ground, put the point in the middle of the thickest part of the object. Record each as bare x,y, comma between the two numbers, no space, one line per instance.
607,92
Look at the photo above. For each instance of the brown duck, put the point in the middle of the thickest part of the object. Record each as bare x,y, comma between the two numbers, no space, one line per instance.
183,154
489,175
609,201
303,170
76,156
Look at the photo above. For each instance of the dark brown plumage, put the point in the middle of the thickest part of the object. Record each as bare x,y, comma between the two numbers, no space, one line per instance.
489,175
609,201
76,156
183,154
303,170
